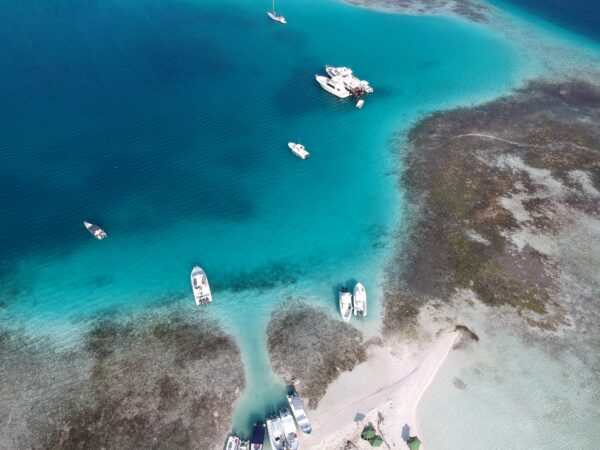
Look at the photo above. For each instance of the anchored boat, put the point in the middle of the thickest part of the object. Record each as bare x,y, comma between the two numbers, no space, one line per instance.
258,436
200,286
276,17
289,429
276,434
360,300
333,85
299,150
298,411
345,298
95,230
353,84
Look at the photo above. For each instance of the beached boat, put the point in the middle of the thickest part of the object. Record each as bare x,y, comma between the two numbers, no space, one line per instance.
345,304
233,443
258,436
289,429
299,150
299,412
360,300
200,286
276,434
274,16
95,230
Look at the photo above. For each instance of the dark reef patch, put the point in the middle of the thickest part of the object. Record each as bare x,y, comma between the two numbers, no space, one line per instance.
152,382
268,276
476,177
310,347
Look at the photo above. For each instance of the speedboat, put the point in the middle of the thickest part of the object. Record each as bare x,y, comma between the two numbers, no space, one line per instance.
244,445
95,230
233,443
360,300
333,85
298,411
299,150
200,286
276,434
289,429
258,436
345,304
360,103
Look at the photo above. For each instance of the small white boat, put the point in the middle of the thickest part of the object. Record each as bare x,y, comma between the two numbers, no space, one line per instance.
95,230
289,429
258,436
276,17
345,304
200,286
360,300
299,150
244,445
276,434
233,443
333,85
299,413
360,103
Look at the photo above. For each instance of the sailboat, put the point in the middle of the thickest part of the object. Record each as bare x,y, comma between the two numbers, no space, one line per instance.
276,17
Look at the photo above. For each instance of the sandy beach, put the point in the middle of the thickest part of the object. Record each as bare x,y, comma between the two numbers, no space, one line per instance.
388,386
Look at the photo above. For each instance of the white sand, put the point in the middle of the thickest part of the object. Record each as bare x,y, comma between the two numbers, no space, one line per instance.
388,386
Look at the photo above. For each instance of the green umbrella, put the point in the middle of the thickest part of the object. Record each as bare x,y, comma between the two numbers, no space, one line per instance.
414,443
376,441
368,433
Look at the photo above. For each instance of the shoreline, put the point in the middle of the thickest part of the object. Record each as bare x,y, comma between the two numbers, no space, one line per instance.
394,377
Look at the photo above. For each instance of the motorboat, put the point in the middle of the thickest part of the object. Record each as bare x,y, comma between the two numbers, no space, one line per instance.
276,434
233,443
289,429
360,300
333,85
200,286
352,83
299,150
299,412
258,436
360,103
95,230
345,298
244,445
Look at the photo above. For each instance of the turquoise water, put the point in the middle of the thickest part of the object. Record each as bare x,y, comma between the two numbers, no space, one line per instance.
167,123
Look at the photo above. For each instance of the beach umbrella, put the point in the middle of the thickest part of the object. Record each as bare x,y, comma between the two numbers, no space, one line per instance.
414,443
368,433
376,441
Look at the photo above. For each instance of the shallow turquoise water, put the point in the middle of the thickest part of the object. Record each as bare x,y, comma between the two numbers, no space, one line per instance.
167,124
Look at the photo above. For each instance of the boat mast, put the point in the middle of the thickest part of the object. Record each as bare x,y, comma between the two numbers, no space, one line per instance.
273,6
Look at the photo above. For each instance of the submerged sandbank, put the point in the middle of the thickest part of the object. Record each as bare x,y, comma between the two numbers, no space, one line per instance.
145,382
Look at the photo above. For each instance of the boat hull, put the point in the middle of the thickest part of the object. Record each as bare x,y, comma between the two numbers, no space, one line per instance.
200,286
360,300
299,412
345,299
276,17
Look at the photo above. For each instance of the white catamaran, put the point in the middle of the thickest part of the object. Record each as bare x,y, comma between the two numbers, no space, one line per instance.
276,17
200,286
360,300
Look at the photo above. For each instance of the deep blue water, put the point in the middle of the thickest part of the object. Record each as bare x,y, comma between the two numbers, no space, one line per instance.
580,16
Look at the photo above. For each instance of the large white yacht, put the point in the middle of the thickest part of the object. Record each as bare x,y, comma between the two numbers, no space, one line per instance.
298,411
299,150
289,429
276,17
276,434
360,300
345,304
200,286
95,230
333,85
353,84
